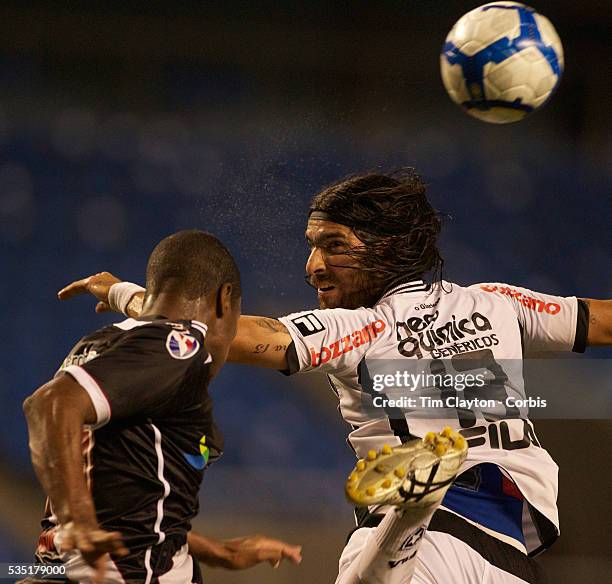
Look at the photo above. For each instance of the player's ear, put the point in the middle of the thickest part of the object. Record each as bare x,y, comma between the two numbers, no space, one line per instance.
224,300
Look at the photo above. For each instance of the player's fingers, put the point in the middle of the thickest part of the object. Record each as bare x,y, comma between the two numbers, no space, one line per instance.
273,558
117,546
108,542
83,543
122,552
293,553
275,551
74,289
102,307
100,569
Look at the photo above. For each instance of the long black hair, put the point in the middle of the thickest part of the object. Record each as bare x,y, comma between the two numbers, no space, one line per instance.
391,215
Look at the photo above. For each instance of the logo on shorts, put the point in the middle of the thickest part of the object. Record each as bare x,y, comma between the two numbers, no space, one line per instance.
308,324
181,345
199,461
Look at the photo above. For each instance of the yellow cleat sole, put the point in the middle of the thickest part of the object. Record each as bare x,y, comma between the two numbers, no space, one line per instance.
412,473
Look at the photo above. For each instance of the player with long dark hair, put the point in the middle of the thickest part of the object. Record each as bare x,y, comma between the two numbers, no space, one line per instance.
392,218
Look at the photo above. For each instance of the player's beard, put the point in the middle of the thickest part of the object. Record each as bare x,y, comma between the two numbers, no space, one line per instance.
359,289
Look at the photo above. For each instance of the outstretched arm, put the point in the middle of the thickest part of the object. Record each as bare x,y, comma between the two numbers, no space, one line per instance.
600,322
242,552
99,285
260,341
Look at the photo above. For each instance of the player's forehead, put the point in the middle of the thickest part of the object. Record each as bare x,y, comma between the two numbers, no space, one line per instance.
319,230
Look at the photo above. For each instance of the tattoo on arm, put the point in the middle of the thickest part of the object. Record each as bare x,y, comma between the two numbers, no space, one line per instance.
260,341
261,348
271,325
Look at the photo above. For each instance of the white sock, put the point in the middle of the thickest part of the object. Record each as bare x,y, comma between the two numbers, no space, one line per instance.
389,553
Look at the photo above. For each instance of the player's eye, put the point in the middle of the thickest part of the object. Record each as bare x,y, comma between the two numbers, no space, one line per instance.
335,246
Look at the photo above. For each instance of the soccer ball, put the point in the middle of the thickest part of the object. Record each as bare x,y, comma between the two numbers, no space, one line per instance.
501,61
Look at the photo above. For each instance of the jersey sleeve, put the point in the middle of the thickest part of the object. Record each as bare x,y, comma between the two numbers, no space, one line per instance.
142,373
331,340
547,322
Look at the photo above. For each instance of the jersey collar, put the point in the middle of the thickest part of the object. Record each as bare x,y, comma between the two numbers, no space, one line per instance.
406,288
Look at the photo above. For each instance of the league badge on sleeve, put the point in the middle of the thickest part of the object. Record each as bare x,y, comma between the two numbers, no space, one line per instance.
181,345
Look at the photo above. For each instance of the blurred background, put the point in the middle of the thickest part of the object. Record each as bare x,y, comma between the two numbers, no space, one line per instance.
121,122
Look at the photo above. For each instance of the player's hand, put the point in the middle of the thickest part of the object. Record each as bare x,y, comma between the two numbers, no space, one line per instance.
254,549
98,285
95,545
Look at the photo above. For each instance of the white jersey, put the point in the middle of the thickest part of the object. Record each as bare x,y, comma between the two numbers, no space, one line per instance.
445,324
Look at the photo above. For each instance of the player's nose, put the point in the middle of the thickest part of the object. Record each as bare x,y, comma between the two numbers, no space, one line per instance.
315,263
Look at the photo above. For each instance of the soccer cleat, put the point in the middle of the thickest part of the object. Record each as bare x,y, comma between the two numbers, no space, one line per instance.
415,474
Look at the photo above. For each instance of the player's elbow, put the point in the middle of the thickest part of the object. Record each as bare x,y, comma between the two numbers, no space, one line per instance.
31,405
50,403
28,406
39,402
33,408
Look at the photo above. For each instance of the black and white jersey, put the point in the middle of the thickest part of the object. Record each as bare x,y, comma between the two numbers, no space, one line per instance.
154,435
446,326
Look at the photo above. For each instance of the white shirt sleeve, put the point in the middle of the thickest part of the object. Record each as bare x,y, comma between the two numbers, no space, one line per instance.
334,339
547,322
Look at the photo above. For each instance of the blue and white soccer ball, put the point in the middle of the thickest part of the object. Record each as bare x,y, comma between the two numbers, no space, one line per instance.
501,61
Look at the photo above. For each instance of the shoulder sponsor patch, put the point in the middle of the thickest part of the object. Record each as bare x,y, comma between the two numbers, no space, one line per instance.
181,345
308,324
535,304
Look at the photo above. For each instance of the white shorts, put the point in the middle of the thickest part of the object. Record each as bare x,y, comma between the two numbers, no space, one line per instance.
181,572
444,559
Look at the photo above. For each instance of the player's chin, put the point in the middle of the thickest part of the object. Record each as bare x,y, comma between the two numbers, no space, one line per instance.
329,300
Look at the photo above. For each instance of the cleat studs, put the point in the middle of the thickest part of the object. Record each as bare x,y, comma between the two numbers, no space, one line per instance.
399,473
441,449
386,484
352,477
361,464
430,437
372,455
459,442
381,468
447,432
370,491
386,449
